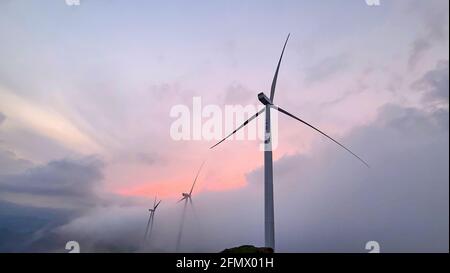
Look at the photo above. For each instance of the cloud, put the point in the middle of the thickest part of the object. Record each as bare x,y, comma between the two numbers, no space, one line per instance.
419,47
327,68
402,201
2,118
237,93
10,163
434,17
147,158
107,229
29,229
63,183
324,201
37,202
435,84
45,121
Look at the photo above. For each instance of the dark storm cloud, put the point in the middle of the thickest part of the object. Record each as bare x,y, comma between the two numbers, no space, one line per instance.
435,83
44,197
64,192
64,178
29,229
70,184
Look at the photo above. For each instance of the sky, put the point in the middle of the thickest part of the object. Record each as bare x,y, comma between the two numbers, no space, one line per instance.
86,94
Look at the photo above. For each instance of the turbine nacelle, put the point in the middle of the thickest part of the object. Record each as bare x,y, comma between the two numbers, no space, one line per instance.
186,195
264,99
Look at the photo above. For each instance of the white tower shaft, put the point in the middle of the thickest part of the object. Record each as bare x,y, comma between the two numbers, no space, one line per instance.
269,225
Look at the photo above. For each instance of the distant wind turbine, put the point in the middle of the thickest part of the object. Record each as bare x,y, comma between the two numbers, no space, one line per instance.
151,220
269,230
187,197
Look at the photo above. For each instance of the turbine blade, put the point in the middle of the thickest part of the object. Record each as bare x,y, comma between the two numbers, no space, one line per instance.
157,204
306,123
181,199
154,202
275,77
245,123
196,176
194,211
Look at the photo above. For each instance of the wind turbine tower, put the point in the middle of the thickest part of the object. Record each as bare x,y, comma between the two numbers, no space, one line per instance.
151,220
187,197
268,102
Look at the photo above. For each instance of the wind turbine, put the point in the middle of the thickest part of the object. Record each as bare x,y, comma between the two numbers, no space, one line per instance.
151,219
269,232
187,197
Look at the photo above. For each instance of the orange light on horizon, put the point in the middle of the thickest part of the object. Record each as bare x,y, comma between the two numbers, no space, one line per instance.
173,189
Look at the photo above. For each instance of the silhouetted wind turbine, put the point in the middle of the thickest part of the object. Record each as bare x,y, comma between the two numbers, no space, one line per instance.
269,232
151,220
187,197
